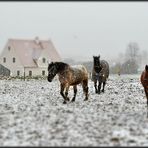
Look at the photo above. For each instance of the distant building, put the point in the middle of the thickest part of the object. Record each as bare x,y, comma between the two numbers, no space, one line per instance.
4,71
29,57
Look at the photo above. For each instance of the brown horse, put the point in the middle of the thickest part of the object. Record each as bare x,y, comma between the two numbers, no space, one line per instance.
144,81
69,76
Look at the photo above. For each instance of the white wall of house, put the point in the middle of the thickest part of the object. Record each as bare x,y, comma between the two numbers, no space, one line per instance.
36,71
6,59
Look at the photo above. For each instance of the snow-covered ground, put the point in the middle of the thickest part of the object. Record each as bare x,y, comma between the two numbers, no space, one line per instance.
32,113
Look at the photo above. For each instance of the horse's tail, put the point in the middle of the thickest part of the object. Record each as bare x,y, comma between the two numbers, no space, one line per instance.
104,73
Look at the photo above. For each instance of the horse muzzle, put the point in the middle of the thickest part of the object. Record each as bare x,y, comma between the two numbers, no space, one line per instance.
49,80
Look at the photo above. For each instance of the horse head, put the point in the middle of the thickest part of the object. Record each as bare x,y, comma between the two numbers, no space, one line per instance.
97,65
52,71
146,68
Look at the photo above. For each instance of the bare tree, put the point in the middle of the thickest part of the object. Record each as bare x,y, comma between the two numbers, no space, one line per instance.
144,56
132,51
132,57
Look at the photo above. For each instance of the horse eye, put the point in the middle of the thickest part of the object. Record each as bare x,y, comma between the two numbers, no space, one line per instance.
50,72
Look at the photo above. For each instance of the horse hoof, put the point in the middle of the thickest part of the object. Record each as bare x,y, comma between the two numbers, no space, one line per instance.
64,102
73,100
85,99
68,99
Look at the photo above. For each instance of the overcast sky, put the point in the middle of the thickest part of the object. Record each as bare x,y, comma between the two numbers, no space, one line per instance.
77,29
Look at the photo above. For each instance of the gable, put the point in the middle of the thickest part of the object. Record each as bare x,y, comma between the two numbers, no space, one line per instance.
29,51
9,53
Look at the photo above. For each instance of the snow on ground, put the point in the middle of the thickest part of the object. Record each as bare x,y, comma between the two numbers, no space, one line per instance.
32,113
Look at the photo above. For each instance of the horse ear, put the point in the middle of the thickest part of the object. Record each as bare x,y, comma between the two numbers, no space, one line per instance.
48,61
146,67
51,62
98,56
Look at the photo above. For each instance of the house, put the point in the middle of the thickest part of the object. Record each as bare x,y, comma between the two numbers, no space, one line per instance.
28,57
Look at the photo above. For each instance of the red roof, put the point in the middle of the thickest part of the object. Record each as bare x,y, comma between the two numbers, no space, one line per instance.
30,50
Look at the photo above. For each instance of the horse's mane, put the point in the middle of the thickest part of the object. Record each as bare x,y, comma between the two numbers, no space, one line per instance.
61,65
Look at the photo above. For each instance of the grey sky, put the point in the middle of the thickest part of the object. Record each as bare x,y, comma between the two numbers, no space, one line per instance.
78,29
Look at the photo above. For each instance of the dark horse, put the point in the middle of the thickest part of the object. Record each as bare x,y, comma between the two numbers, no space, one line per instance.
69,76
100,73
144,81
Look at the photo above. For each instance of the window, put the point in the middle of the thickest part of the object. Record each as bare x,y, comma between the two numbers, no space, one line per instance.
4,60
43,73
18,73
13,60
9,48
44,60
30,73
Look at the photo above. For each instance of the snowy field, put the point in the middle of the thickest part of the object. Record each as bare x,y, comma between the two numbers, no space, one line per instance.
32,113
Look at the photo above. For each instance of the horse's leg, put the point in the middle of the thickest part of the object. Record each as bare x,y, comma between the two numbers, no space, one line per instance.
75,92
66,93
99,87
95,85
146,93
62,94
103,86
85,89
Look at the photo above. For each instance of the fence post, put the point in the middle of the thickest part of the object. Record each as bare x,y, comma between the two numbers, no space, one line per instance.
24,73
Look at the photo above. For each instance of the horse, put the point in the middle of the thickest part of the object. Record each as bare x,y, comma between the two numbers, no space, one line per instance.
69,76
144,82
100,73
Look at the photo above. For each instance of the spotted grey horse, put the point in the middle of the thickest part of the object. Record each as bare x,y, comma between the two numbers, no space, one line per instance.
69,76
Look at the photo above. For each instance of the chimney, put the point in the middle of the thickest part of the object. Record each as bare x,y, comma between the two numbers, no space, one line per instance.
37,41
